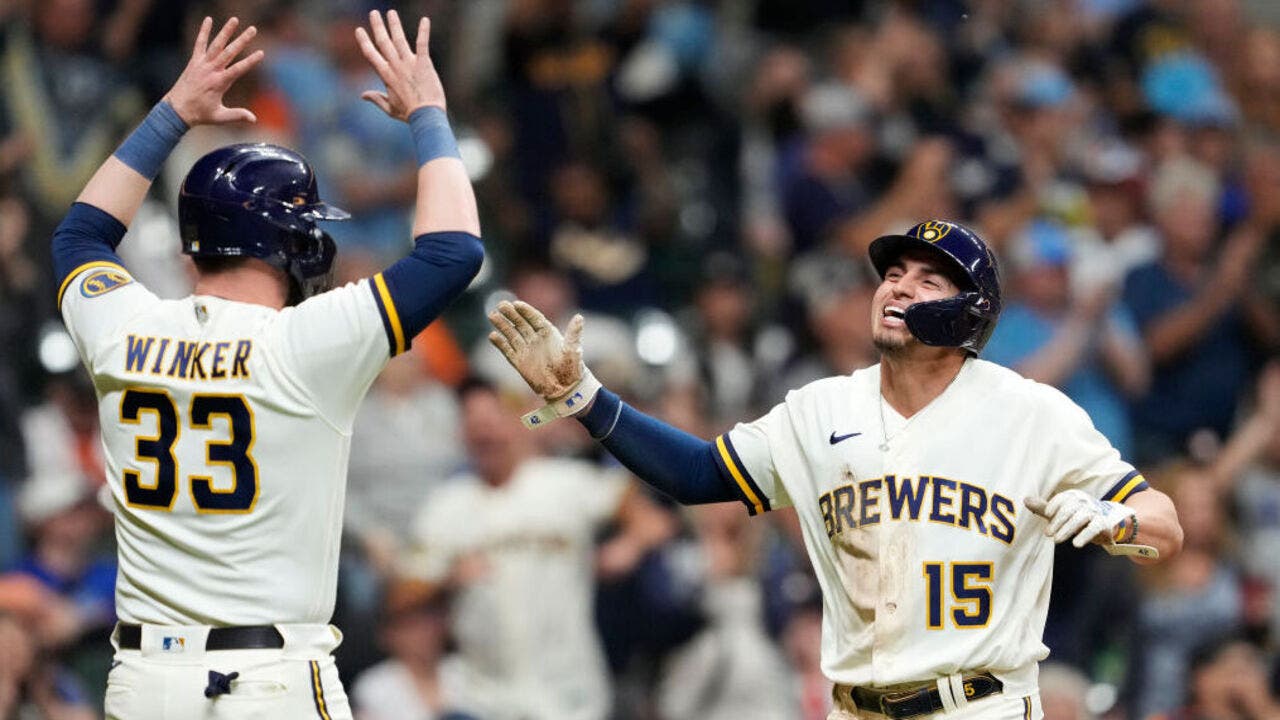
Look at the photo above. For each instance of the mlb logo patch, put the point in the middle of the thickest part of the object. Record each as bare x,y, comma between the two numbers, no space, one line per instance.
173,644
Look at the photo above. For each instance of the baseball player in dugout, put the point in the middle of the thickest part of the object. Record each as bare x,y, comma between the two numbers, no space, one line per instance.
930,488
226,415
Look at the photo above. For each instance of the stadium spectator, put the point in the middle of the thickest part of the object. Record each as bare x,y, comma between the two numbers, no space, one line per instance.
1197,314
31,685
802,642
74,585
1063,693
1193,598
731,669
1227,681
68,105
419,679
513,542
1081,342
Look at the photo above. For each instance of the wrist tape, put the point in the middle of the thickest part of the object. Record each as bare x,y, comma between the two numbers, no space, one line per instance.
432,136
147,147
571,403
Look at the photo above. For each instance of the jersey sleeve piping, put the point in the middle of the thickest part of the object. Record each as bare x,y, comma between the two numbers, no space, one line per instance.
727,458
390,318
1128,485
81,268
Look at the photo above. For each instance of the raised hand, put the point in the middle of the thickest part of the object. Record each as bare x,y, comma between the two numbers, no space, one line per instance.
197,95
410,76
550,362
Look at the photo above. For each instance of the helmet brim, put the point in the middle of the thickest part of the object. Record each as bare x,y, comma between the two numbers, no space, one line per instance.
325,211
886,249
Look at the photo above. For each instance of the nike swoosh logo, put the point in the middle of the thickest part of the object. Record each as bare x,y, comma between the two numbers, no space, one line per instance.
841,438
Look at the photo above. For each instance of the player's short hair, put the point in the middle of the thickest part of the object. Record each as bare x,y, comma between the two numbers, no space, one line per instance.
212,265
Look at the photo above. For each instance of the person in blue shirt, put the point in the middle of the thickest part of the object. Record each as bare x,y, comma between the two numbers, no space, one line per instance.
1202,318
1084,343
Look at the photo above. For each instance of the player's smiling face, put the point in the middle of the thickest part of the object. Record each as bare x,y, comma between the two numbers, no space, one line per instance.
915,277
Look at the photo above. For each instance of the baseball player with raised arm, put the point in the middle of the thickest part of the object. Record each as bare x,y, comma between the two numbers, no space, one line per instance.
226,415
925,485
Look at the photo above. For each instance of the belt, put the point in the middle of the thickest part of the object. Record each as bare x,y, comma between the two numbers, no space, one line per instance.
922,701
240,637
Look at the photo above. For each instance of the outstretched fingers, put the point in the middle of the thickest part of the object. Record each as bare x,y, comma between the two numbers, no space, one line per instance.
518,321
235,47
372,54
245,64
224,36
533,316
424,38
573,334
504,326
202,37
397,35
504,346
380,36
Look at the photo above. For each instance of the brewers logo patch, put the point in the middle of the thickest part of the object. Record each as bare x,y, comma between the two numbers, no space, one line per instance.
103,282
933,231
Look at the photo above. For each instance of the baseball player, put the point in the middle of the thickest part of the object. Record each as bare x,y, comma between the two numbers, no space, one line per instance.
915,482
226,415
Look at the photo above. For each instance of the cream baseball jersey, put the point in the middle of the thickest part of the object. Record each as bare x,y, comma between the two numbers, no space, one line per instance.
226,427
929,562
524,624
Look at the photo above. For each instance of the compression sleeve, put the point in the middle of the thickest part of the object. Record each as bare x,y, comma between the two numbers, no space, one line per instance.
671,460
418,287
85,236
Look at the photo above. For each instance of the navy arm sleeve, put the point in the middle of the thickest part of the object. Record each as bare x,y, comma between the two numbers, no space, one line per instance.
418,287
671,460
86,235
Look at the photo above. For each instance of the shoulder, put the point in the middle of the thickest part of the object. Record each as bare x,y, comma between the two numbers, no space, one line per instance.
836,386
1004,387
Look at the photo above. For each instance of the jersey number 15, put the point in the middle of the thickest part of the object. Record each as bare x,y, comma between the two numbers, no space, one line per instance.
970,594
160,493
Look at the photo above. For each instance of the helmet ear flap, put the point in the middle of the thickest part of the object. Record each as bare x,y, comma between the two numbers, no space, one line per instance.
964,320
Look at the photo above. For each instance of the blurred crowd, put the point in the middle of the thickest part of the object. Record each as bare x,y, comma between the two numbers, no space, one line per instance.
700,179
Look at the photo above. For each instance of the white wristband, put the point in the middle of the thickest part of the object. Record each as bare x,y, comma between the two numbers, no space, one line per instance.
572,403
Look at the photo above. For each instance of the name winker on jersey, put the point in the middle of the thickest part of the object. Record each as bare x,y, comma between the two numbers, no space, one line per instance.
186,359
935,499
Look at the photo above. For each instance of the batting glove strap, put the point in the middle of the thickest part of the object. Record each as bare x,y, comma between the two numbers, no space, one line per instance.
569,404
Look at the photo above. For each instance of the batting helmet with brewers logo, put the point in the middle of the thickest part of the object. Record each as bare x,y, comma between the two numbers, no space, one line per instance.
965,320
260,201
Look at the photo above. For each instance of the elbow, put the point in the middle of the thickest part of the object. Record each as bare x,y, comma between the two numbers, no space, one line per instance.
472,257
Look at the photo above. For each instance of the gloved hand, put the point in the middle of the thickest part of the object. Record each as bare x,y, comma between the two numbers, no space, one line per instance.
1075,512
549,362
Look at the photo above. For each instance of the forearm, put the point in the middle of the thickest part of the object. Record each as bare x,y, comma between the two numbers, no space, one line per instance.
1157,524
670,460
1169,336
445,200
1055,362
121,183
1125,361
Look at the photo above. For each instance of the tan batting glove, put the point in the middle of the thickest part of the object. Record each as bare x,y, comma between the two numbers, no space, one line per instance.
550,362
1090,520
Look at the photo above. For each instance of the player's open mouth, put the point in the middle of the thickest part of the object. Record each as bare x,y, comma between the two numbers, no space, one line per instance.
893,316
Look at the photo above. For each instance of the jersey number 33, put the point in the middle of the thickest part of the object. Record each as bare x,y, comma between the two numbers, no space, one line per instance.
160,492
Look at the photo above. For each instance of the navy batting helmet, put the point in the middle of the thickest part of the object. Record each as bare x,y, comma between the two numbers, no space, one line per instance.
260,201
965,320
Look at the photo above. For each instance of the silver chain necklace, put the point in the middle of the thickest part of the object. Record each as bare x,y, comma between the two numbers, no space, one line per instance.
884,428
